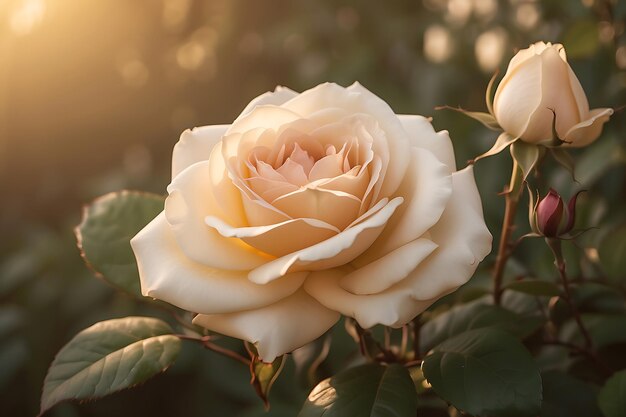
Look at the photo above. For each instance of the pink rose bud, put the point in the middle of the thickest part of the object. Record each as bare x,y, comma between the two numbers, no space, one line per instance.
552,219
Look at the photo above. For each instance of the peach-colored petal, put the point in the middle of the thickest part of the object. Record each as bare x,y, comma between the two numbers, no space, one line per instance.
422,135
276,98
426,189
463,241
556,94
353,182
333,207
338,250
588,130
278,328
392,268
195,145
518,96
190,200
168,274
358,100
278,239
393,307
263,116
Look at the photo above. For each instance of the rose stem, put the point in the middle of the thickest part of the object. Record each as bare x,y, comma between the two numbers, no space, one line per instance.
511,198
559,262
206,342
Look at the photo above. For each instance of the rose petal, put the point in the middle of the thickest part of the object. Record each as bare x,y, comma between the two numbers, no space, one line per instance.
278,239
393,307
357,99
556,94
518,96
195,145
277,97
275,329
190,200
381,274
579,95
168,274
422,135
463,240
338,250
333,207
588,130
426,188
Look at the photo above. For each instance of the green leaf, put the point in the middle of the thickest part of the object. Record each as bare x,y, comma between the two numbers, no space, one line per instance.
370,390
501,143
527,155
485,372
612,397
566,396
263,374
474,315
108,357
106,229
535,287
485,118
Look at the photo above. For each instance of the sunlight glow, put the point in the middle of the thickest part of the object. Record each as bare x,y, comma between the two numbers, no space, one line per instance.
27,16
489,49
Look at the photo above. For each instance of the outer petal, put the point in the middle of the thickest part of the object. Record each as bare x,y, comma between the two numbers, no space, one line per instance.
518,96
275,329
336,251
422,135
588,130
167,274
277,97
463,241
426,189
556,94
192,199
195,145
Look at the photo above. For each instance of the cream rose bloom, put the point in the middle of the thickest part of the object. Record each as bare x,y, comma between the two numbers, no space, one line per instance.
306,207
537,81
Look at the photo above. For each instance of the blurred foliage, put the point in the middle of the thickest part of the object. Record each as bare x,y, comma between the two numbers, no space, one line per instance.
93,96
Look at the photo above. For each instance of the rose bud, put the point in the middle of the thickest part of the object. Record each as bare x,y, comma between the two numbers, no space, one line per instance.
540,98
551,218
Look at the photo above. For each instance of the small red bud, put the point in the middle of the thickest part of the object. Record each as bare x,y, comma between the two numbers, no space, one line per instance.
550,214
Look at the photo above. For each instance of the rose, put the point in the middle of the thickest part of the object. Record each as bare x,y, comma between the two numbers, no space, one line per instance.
310,205
550,217
538,86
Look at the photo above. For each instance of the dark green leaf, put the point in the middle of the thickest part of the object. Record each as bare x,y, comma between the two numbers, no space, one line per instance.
106,229
107,357
566,396
485,372
474,315
370,390
535,287
612,397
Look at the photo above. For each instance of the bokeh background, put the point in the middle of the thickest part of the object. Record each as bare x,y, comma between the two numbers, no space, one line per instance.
94,94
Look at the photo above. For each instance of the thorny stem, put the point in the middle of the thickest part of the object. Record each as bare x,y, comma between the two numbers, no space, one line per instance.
511,199
559,262
581,351
206,342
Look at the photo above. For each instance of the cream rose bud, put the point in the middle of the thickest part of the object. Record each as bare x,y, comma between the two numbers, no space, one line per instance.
538,81
306,207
